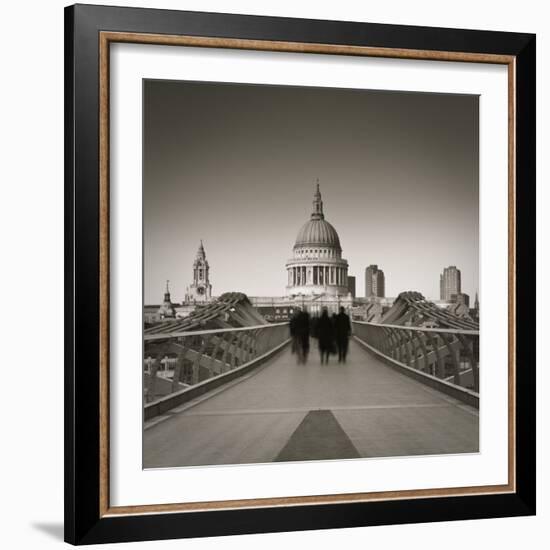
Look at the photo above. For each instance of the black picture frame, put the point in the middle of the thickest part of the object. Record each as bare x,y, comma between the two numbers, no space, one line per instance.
84,522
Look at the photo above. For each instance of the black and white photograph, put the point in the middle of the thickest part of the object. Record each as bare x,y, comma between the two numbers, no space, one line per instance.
310,274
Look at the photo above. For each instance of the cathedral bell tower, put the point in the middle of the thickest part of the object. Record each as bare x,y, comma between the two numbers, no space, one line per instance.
201,289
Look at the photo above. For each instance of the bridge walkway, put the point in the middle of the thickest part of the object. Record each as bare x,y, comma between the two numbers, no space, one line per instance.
285,411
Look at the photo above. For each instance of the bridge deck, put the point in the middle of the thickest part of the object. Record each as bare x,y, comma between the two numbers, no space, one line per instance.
285,411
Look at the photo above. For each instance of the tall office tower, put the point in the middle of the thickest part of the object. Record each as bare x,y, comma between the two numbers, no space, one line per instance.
375,283
449,283
351,285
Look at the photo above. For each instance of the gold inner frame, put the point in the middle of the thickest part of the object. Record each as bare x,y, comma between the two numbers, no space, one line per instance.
105,39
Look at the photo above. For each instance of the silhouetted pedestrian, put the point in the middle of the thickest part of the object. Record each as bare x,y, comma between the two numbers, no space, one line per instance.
303,336
299,331
325,334
313,325
342,327
333,349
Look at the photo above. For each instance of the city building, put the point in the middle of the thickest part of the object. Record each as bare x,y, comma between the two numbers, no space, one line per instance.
197,294
167,309
461,298
317,267
274,309
449,283
460,305
351,285
317,275
474,313
375,282
200,290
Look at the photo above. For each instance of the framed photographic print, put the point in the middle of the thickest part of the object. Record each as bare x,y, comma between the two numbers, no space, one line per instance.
299,274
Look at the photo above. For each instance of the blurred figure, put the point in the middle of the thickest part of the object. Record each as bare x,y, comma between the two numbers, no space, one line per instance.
325,334
342,330
299,331
303,336
293,326
333,349
313,325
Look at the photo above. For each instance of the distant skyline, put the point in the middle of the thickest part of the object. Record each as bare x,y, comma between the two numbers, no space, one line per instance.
236,165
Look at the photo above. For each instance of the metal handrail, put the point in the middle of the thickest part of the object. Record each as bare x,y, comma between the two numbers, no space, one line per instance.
422,329
161,336
201,355
440,352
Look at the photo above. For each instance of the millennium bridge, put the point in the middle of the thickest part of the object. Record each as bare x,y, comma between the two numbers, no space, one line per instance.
223,387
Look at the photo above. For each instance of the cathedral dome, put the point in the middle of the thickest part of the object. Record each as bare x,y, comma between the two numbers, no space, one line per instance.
317,232
317,267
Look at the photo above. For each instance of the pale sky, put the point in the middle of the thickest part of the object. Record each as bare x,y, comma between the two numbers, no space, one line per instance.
235,166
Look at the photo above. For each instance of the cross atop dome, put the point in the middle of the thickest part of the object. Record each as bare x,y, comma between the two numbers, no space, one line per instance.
317,213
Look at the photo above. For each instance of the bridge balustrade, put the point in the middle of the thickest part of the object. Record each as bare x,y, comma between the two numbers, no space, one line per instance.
179,361
451,355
